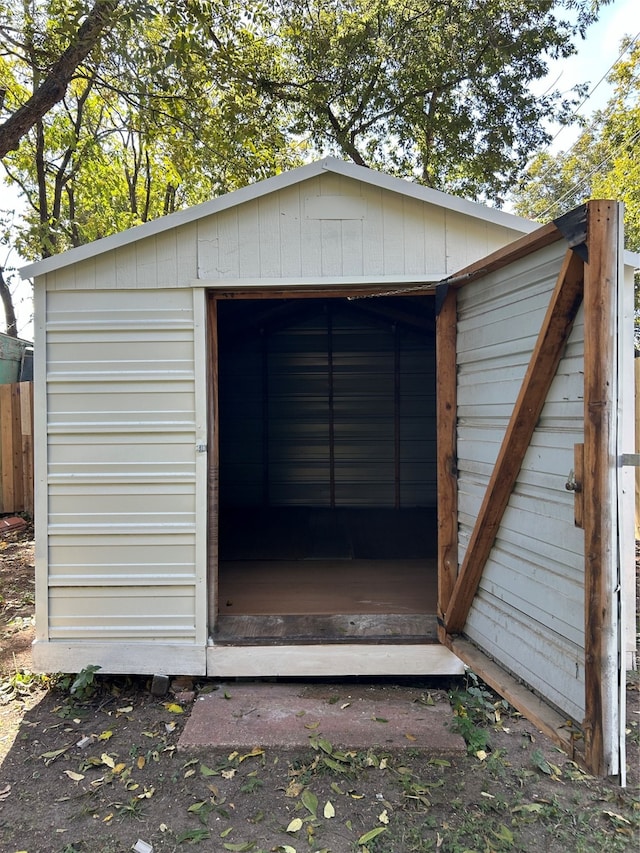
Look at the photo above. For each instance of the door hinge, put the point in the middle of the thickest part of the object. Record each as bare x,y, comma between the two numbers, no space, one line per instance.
201,447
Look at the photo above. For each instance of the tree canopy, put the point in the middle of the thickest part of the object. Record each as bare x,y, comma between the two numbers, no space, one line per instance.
603,162
114,113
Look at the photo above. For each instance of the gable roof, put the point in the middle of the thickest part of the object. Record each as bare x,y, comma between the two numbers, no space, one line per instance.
271,185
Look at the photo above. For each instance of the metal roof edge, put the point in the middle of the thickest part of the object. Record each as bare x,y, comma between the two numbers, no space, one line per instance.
273,184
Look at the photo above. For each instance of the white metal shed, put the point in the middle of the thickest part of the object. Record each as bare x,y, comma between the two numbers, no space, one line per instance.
335,423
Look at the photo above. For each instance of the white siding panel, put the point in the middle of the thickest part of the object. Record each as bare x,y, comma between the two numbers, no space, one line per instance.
530,603
121,464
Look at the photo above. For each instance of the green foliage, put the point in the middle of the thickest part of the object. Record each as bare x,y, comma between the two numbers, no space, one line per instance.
476,707
437,92
603,163
84,685
179,102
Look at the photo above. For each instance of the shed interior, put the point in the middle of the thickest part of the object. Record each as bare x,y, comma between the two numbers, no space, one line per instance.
327,525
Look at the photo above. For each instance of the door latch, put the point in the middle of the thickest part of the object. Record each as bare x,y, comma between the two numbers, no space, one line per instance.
572,485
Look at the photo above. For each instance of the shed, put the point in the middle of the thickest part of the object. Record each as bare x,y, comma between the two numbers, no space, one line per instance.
16,359
335,423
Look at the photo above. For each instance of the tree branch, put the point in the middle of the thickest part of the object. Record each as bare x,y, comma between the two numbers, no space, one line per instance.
54,86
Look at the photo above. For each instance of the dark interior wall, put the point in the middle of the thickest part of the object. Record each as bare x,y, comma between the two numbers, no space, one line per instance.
327,403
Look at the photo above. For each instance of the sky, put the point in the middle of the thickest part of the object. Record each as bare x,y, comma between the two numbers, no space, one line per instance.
595,56
593,61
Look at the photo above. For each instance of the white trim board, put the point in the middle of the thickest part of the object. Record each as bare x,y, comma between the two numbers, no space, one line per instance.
331,660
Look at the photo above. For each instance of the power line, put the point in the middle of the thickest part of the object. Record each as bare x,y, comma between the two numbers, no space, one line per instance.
590,174
580,105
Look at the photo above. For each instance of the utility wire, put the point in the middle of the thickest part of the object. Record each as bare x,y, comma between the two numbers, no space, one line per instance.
590,174
581,104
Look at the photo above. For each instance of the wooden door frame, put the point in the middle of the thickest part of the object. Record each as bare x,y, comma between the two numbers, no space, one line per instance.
593,282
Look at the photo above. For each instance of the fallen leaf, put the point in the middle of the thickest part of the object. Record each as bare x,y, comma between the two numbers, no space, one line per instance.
345,705
616,817
383,817
379,719
294,789
106,759
5,792
255,751
481,754
226,832
105,735
147,794
126,710
50,757
504,834
107,818
312,725
173,708
309,801
75,777
229,774
529,807
325,745
295,825
141,762
409,736
329,810
207,771
369,836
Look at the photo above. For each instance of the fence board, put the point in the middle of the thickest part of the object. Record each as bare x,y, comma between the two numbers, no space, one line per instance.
16,447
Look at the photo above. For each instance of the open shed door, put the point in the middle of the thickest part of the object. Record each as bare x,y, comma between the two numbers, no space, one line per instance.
529,573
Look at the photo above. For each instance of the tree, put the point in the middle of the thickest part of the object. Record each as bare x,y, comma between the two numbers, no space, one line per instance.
51,89
172,103
603,163
141,130
437,90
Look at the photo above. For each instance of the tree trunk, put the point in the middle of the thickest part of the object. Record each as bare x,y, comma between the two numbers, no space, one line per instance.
7,303
54,86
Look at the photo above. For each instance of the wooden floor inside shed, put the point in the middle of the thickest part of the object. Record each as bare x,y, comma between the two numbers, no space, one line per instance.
327,600
308,575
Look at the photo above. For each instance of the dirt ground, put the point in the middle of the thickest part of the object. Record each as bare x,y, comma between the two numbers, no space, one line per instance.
99,771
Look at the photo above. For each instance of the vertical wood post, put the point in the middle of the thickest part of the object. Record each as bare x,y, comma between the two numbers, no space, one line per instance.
446,406
26,427
600,287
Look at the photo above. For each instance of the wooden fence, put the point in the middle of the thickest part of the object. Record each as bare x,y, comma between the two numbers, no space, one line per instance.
16,448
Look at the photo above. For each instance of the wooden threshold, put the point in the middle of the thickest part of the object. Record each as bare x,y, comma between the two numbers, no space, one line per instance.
373,629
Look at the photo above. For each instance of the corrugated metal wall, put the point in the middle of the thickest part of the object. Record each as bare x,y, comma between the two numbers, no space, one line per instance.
334,409
530,604
121,466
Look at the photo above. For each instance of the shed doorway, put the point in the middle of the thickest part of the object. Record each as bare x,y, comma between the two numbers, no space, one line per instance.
324,470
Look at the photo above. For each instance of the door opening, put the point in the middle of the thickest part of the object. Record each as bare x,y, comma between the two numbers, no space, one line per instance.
327,526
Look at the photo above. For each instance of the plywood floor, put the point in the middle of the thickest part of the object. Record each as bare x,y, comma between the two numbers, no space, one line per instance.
327,600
